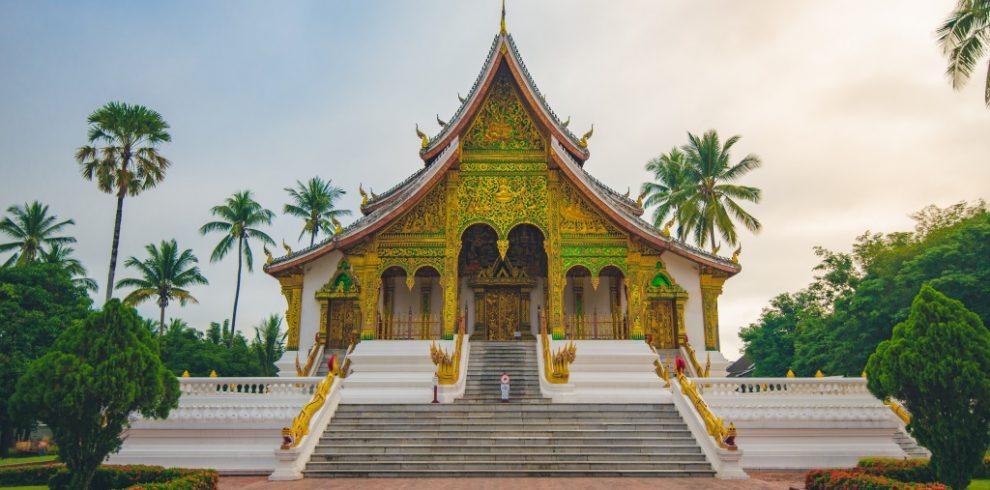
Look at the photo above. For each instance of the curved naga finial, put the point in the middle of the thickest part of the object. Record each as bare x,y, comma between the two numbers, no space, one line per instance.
639,200
441,122
628,191
422,136
364,195
502,29
735,255
459,98
565,123
583,143
337,228
288,249
268,255
666,227
716,248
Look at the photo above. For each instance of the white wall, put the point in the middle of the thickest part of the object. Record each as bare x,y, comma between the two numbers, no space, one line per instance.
685,274
316,274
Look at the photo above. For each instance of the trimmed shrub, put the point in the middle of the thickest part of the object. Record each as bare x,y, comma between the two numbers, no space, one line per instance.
142,477
912,470
858,479
28,475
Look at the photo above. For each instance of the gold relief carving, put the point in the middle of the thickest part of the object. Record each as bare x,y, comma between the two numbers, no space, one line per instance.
292,286
484,198
388,252
503,123
503,167
448,274
577,216
711,288
426,217
503,247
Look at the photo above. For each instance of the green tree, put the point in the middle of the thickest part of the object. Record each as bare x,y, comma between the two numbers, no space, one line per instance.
62,256
164,276
314,203
666,192
184,348
99,372
964,36
37,302
269,344
240,215
710,203
937,362
32,230
127,163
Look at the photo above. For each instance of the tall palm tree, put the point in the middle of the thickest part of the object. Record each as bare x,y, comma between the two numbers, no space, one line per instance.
670,178
709,205
269,343
165,274
128,161
32,229
61,255
314,203
240,213
964,37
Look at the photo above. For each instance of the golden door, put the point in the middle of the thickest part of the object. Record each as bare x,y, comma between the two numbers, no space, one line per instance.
343,323
663,325
502,310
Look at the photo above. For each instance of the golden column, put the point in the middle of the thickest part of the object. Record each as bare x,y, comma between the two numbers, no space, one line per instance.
638,272
366,269
292,288
555,263
711,288
452,251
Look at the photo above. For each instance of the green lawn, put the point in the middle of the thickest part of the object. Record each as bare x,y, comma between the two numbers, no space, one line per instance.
27,459
37,487
979,485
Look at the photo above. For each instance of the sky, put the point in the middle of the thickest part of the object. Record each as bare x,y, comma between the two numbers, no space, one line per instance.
845,102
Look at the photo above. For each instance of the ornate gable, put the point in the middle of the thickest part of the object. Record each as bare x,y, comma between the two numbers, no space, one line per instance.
503,124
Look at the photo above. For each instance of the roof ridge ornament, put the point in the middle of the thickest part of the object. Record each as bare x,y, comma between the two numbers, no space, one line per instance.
502,29
583,143
422,136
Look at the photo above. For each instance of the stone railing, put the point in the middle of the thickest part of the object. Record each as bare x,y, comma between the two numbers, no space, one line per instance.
899,410
247,386
315,352
693,360
716,439
764,387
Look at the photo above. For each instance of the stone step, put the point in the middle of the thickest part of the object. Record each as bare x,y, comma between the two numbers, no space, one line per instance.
435,432
428,450
525,465
504,418
600,456
488,440
502,473
342,425
643,408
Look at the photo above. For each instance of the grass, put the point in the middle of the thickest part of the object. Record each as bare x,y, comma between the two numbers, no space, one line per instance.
27,459
979,485
30,487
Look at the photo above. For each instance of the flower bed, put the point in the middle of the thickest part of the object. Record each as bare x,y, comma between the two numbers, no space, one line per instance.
860,480
134,477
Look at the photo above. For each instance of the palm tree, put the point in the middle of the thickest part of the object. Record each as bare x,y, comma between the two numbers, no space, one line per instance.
314,203
60,255
32,229
670,178
128,162
709,204
240,213
269,343
164,275
964,37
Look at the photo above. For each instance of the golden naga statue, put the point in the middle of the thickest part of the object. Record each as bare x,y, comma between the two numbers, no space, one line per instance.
441,122
666,227
424,140
268,255
337,228
583,143
735,255
716,248
639,200
364,195
288,250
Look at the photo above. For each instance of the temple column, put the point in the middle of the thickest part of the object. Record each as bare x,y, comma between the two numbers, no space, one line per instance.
555,264
711,288
370,282
449,280
292,289
635,286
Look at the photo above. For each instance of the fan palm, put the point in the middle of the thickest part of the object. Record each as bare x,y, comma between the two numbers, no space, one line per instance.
240,213
128,161
710,203
61,255
269,343
32,229
314,203
165,274
964,37
670,178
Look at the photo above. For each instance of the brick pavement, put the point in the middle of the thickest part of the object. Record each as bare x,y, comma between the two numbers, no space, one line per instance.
757,481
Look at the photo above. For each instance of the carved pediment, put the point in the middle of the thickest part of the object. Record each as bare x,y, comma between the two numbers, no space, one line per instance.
502,273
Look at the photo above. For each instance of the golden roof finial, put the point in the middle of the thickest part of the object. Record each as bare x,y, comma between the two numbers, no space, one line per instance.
364,195
424,140
583,142
502,26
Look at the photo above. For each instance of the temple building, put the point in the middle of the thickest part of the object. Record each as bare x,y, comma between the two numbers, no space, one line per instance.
503,225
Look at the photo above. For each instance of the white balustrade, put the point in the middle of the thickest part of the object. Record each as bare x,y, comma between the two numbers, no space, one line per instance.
776,387
247,386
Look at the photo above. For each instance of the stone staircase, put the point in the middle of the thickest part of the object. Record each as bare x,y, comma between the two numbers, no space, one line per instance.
479,436
323,370
909,445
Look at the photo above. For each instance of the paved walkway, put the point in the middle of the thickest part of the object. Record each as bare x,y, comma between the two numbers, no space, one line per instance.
757,481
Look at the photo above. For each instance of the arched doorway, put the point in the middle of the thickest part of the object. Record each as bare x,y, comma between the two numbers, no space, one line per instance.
503,281
595,306
410,306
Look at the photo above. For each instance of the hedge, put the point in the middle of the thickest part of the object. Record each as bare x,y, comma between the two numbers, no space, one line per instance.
111,477
860,480
914,470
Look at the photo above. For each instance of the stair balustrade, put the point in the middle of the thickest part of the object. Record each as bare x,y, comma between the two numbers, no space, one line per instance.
695,365
449,365
314,354
293,435
556,365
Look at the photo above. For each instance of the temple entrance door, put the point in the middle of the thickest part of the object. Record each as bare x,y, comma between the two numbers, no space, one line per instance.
342,323
502,308
662,324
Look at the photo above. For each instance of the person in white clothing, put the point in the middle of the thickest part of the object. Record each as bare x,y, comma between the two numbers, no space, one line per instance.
505,387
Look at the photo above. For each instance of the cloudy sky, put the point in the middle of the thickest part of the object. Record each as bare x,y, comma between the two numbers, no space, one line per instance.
844,100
